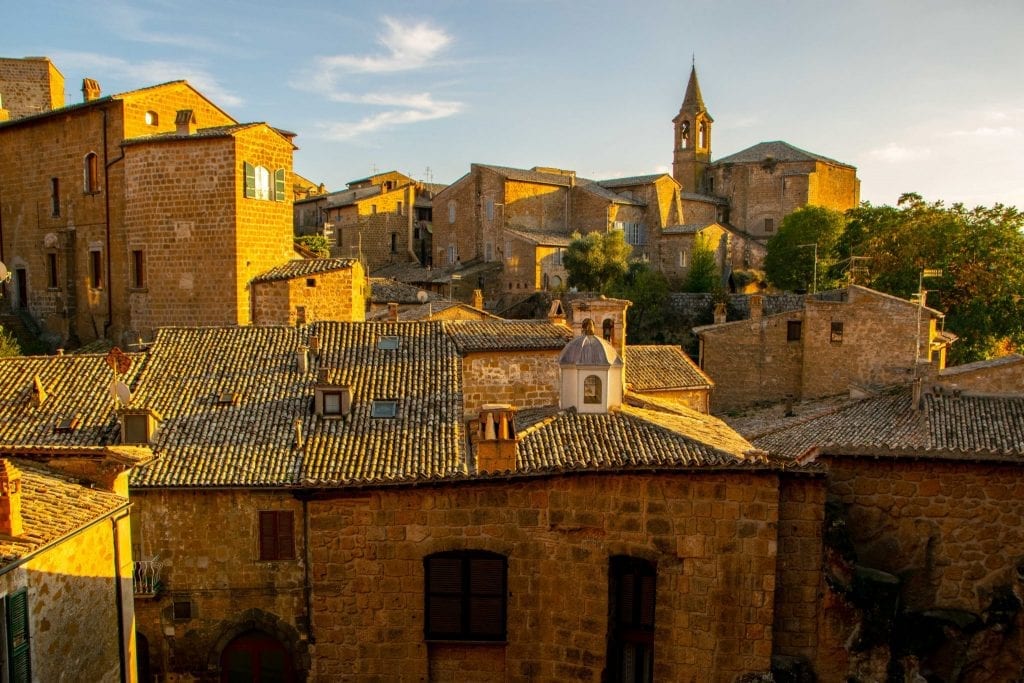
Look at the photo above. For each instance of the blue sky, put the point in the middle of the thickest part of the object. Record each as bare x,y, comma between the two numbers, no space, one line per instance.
920,96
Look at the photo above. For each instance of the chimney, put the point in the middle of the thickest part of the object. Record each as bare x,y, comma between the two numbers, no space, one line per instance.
719,313
556,314
756,306
302,359
314,344
10,500
478,299
298,432
496,439
393,312
38,392
185,122
90,90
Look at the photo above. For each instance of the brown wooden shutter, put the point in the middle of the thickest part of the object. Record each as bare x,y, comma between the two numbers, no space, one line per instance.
487,596
285,535
444,597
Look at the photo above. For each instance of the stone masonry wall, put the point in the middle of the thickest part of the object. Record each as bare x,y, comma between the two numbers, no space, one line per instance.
524,379
72,611
30,86
332,296
711,536
208,546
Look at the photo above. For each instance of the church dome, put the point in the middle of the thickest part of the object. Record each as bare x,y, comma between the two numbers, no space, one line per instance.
590,350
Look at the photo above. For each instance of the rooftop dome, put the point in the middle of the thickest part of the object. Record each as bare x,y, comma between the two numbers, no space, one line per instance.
590,350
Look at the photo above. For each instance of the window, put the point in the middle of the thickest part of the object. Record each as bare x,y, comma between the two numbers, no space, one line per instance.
465,595
91,171
608,329
277,535
489,251
19,656
257,183
709,184
398,209
684,135
388,342
702,140
453,255
793,330
384,408
592,389
55,196
557,257
51,270
181,610
332,403
451,212
152,118
311,282
262,183
300,315
769,225
373,209
394,243
138,269
631,599
490,209
95,269
682,259
635,234
836,333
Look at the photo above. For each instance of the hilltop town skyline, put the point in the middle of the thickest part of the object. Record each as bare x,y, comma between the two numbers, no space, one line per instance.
893,91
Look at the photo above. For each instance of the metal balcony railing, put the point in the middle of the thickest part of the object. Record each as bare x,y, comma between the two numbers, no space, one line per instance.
146,577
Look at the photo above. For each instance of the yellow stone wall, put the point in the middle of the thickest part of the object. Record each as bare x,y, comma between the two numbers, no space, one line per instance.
30,86
336,295
524,379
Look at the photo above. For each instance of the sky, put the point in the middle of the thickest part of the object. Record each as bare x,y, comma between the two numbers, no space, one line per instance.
921,96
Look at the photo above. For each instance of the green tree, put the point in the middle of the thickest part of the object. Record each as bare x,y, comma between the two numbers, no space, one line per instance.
703,275
8,344
980,252
790,262
595,261
316,243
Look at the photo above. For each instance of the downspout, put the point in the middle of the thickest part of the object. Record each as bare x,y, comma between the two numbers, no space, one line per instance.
118,599
107,163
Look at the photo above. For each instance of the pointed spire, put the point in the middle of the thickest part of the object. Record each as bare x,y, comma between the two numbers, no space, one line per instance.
693,97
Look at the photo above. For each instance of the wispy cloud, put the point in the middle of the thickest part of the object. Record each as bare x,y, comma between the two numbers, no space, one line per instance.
894,153
407,47
988,132
140,74
134,24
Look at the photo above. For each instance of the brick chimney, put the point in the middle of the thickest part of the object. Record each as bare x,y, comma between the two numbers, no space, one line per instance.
496,439
719,313
90,90
10,500
478,299
756,306
393,311
185,122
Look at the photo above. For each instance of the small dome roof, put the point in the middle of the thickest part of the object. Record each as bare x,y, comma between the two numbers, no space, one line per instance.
588,349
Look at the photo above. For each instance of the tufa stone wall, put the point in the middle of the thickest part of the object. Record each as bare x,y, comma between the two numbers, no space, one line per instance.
712,538
335,295
30,86
524,379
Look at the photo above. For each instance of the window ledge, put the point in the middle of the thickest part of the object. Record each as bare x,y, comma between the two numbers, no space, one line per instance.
138,290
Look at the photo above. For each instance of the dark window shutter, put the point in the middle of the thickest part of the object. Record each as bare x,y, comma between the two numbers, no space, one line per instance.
647,592
250,180
268,535
465,596
18,653
285,535
279,185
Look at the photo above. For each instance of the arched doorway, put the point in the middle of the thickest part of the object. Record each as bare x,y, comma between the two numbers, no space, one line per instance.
256,657
142,658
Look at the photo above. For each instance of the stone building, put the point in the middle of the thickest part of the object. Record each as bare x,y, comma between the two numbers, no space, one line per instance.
127,212
853,336
759,186
306,290
66,569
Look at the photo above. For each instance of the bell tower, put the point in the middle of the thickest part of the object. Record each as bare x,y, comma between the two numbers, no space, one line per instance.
692,151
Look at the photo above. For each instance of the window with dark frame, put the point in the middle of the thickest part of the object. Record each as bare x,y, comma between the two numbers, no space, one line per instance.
384,408
96,269
51,271
465,595
55,196
632,584
769,225
138,269
836,333
277,535
793,329
332,403
92,173
592,389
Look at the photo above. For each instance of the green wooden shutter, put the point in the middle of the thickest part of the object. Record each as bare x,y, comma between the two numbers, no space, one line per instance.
18,654
279,185
250,180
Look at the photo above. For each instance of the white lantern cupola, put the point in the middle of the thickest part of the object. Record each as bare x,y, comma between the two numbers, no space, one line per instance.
592,372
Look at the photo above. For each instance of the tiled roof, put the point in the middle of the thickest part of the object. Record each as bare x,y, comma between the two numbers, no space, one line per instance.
632,437
686,229
507,335
524,175
385,290
698,197
54,506
413,272
1002,361
658,367
334,200
75,385
632,180
253,443
304,268
599,191
211,132
946,426
544,238
777,150
427,311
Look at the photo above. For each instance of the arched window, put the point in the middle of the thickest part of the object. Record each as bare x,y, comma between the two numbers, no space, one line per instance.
256,656
632,584
91,173
702,139
465,595
592,389
451,212
556,282
152,118
262,184
684,135
608,329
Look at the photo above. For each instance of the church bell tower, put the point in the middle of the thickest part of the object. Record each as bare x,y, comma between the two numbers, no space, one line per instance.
692,152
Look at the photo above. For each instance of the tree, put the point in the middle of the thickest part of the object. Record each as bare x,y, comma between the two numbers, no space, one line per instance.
596,260
316,243
703,275
980,252
790,262
8,344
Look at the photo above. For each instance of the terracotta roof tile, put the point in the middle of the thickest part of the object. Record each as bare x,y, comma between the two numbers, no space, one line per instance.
658,367
507,335
304,268
776,150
